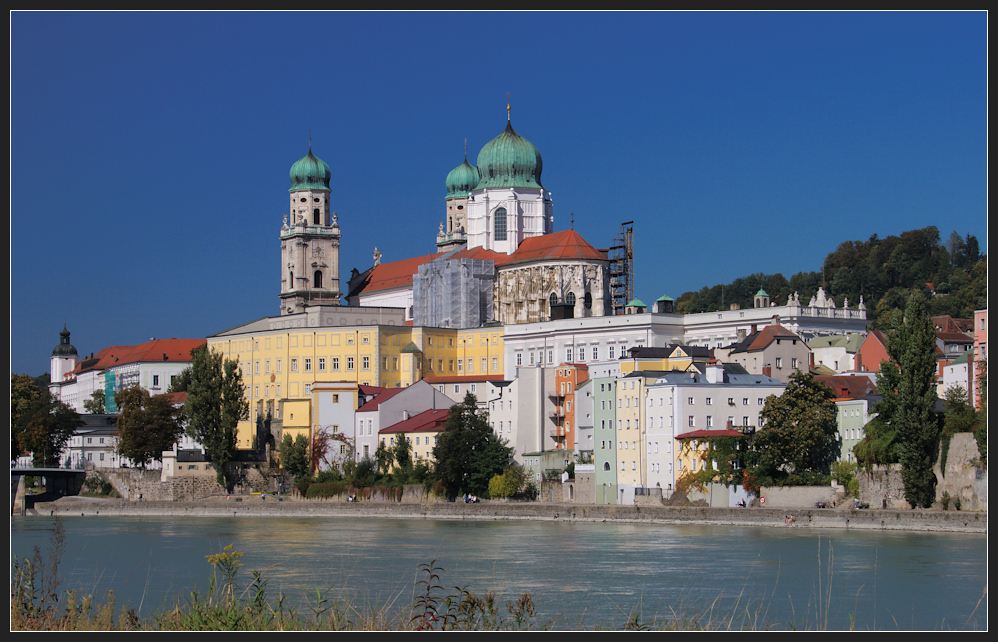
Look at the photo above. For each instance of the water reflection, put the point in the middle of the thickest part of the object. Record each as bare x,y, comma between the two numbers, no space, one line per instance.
582,573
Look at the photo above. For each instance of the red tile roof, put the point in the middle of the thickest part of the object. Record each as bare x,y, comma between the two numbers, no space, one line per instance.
761,339
426,421
389,276
848,387
157,350
373,404
558,246
707,434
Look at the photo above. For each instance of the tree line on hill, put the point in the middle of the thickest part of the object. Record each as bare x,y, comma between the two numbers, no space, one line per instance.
880,270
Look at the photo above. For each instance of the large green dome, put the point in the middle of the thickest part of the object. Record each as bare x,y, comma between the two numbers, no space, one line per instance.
461,180
509,160
310,172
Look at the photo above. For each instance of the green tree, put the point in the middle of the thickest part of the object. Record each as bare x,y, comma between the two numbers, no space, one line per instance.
908,385
295,457
468,454
384,458
147,425
95,404
216,402
181,381
43,426
878,446
402,456
798,440
24,391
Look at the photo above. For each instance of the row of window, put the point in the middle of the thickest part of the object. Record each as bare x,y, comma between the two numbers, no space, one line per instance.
570,355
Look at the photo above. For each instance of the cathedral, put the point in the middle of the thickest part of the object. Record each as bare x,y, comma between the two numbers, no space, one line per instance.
498,259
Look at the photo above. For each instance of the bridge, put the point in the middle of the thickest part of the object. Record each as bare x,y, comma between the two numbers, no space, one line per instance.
58,482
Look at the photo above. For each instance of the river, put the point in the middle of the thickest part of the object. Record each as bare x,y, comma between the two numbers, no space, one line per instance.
580,574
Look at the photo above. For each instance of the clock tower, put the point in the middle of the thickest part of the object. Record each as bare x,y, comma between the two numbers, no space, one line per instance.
310,240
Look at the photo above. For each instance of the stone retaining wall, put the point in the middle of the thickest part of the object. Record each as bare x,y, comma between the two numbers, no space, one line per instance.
813,518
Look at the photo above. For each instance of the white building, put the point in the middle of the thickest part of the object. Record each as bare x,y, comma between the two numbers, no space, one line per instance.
152,365
595,339
680,403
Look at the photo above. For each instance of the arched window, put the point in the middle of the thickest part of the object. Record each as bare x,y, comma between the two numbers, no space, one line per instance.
570,298
553,299
500,224
589,300
606,466
315,216
317,279
291,280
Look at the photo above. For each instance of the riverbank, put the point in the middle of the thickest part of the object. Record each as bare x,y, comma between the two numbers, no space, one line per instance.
866,519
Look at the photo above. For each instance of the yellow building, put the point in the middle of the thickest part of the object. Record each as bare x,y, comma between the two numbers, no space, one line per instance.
283,358
421,430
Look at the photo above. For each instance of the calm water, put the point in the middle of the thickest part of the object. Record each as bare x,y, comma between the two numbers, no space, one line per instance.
583,574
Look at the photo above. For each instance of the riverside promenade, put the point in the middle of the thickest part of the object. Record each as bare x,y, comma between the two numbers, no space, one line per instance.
245,506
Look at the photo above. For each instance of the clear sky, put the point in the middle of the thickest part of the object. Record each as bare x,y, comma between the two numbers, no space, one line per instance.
150,151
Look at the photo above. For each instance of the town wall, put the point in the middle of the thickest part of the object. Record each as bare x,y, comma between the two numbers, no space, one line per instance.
797,496
894,520
964,478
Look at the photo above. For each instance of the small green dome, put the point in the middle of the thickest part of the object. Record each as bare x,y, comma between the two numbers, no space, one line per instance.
461,180
509,160
309,172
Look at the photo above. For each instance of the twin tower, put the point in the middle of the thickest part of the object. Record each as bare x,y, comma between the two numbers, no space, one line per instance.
495,206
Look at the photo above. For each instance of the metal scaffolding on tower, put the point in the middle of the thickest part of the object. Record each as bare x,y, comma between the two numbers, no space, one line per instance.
621,257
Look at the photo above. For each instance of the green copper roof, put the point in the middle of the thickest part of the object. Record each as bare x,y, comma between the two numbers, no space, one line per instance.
309,172
665,297
509,160
636,303
761,292
461,180
411,349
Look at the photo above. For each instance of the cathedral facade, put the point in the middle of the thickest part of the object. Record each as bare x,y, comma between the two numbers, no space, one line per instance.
499,259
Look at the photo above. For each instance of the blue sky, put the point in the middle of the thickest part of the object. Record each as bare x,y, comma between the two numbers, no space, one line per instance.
150,151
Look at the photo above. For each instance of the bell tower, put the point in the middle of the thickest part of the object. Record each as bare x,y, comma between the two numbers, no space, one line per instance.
310,239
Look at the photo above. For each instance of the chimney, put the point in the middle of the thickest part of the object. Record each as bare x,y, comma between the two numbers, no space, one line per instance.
767,370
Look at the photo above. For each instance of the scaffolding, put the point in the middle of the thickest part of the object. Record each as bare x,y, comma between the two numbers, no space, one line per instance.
621,257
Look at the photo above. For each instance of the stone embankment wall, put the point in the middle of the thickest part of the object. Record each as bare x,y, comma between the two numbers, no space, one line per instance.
798,496
907,520
964,477
135,484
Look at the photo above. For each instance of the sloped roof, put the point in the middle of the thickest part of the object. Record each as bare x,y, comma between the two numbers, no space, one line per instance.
157,350
565,245
851,342
426,421
760,340
373,404
953,337
848,387
946,323
389,276
708,434
176,398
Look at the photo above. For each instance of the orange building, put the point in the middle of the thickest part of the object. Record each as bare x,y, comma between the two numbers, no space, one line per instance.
567,379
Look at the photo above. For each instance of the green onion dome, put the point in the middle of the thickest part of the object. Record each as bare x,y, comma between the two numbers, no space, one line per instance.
509,160
309,172
461,180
